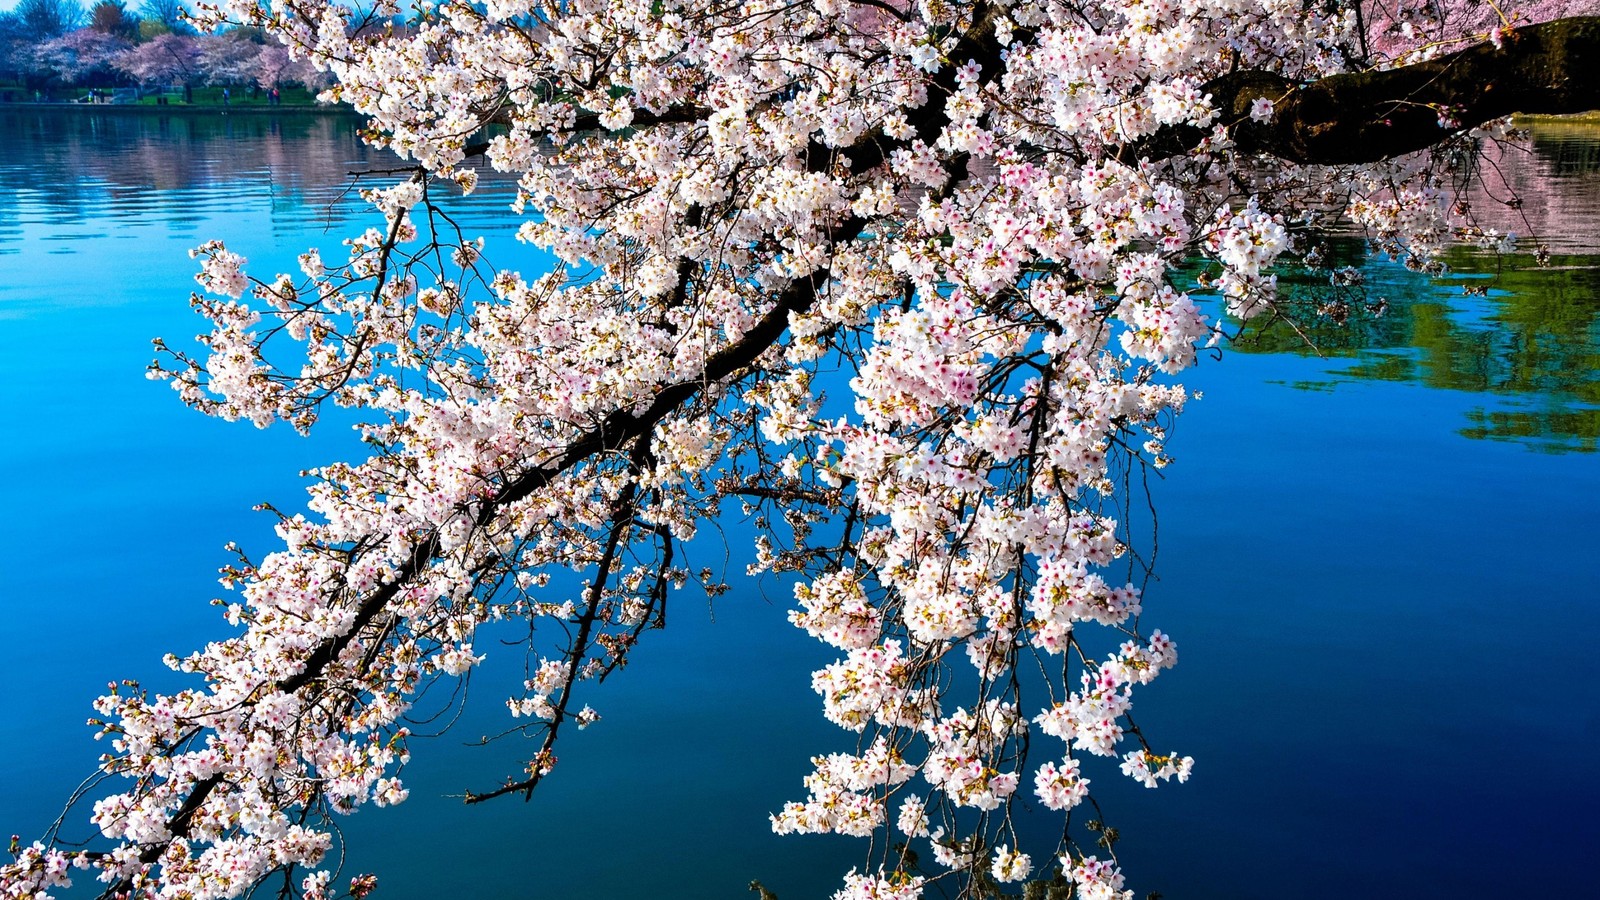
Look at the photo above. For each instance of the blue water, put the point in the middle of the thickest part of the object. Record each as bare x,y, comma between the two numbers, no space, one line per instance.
1385,607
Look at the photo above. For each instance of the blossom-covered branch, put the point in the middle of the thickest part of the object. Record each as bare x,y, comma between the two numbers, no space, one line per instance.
970,219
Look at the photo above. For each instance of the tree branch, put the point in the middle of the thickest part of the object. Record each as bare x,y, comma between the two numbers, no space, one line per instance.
1357,117
616,430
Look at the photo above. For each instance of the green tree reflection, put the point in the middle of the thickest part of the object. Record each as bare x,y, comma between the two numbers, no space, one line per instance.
1505,326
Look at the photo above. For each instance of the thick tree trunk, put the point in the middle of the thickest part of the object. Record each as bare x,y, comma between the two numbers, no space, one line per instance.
1551,68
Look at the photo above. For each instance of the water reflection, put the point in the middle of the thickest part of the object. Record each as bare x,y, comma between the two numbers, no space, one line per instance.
1499,325
1556,185
98,208
114,168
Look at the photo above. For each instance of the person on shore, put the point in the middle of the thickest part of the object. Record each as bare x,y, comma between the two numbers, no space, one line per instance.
272,96
224,96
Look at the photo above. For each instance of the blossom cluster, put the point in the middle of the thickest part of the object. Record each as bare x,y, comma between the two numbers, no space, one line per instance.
955,217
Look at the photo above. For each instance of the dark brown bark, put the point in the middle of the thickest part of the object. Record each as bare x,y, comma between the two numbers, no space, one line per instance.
1550,68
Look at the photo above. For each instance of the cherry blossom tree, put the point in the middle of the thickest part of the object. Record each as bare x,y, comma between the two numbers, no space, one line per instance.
907,283
16,49
274,67
164,59
79,55
229,58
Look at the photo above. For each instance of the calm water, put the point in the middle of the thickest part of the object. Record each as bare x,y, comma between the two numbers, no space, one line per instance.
1380,562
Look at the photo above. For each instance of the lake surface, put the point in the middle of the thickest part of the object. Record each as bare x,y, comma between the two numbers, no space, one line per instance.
1381,564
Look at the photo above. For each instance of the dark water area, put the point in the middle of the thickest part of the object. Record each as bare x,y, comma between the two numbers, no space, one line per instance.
1379,559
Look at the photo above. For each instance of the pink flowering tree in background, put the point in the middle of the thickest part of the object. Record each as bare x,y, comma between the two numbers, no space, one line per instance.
164,59
228,58
79,55
275,67
962,222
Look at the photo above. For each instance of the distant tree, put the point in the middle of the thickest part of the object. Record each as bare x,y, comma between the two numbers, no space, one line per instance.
165,12
227,58
271,65
255,34
165,59
149,29
13,46
112,17
274,67
81,56
42,20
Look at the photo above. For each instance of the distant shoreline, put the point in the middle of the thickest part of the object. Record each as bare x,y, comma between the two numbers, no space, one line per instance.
188,108
1583,118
